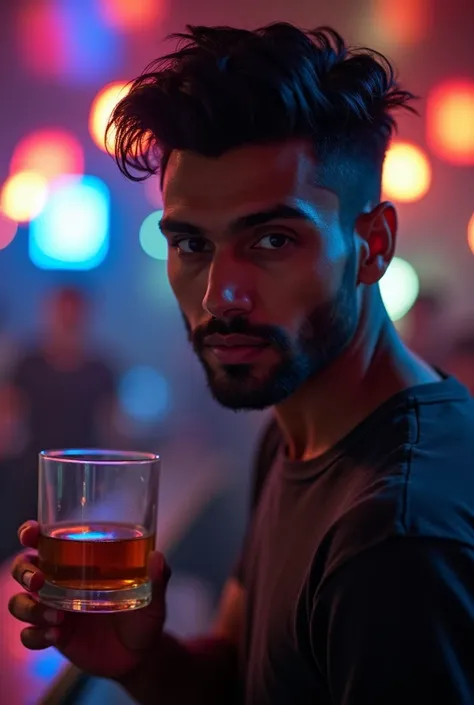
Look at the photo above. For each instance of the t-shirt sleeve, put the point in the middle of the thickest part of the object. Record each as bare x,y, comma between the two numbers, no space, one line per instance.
395,625
264,457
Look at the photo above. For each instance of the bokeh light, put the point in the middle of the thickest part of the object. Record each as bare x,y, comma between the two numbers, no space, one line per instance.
152,239
406,173
399,288
450,121
50,152
470,234
143,394
101,110
24,195
8,230
401,23
72,232
130,14
66,40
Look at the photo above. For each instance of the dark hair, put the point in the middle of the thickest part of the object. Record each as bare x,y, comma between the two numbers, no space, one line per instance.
224,87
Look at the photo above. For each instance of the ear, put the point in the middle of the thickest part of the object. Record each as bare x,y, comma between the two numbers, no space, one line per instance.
377,233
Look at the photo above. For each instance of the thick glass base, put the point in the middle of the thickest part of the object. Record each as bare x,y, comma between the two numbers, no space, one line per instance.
99,601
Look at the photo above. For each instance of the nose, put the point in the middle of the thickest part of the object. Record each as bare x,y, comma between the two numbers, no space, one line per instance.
228,293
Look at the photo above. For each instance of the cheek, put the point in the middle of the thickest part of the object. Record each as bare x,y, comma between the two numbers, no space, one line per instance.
189,290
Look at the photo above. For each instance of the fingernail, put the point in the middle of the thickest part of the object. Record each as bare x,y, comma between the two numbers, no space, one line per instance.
51,635
21,534
52,616
27,577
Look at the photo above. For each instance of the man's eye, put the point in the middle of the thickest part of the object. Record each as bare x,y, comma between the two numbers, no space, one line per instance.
191,245
275,241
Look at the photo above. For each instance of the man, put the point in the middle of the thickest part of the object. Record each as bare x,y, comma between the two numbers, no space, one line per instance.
355,583
59,396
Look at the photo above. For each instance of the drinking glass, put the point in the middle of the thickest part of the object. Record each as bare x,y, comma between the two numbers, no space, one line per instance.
97,517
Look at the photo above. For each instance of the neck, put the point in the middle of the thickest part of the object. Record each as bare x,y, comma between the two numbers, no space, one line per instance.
375,366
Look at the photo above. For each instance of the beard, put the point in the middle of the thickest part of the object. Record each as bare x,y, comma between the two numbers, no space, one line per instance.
322,338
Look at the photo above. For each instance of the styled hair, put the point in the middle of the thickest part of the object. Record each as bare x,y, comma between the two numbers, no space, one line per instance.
224,88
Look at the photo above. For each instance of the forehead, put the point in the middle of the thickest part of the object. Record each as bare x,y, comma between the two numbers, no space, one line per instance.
254,175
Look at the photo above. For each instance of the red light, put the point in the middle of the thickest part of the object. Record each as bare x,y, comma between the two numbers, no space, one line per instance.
50,152
450,121
130,14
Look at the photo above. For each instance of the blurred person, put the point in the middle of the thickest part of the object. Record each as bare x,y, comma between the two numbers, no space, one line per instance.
460,360
355,581
61,395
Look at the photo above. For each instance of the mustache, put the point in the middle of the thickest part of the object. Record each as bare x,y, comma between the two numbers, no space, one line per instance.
270,335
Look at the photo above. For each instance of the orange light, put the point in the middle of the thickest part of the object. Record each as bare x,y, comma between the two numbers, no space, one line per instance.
407,173
403,22
50,152
24,195
8,230
450,121
101,110
130,14
470,234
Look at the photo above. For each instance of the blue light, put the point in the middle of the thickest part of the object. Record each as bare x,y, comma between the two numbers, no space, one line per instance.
46,665
92,51
152,239
144,394
72,232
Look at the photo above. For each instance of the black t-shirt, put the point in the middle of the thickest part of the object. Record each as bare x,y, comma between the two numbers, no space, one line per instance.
359,565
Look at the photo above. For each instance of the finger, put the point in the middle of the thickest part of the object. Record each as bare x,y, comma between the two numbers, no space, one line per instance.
25,571
36,638
25,608
28,533
158,569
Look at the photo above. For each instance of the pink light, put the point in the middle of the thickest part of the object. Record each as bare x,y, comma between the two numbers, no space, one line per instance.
8,230
130,14
50,152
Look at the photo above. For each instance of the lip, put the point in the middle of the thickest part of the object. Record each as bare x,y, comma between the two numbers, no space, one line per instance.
234,340
237,354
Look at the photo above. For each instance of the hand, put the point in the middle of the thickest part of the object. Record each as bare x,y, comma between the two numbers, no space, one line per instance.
108,646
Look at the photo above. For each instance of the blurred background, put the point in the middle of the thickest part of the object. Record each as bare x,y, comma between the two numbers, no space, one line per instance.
92,346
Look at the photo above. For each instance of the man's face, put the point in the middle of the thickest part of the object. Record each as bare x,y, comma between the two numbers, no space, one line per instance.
263,274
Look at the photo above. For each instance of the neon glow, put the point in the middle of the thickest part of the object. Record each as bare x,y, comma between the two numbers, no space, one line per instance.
399,288
72,232
49,152
406,173
450,121
23,196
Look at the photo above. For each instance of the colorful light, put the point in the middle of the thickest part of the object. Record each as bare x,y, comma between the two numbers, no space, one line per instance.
72,232
8,230
399,288
151,238
50,152
406,173
23,196
402,23
127,15
66,40
450,121
143,394
101,110
470,234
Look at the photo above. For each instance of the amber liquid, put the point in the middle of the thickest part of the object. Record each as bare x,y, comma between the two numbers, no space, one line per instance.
103,556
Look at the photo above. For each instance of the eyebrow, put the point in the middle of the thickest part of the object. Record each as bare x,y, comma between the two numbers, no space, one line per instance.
245,222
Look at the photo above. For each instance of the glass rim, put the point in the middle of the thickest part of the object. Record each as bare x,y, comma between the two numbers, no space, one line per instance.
98,456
